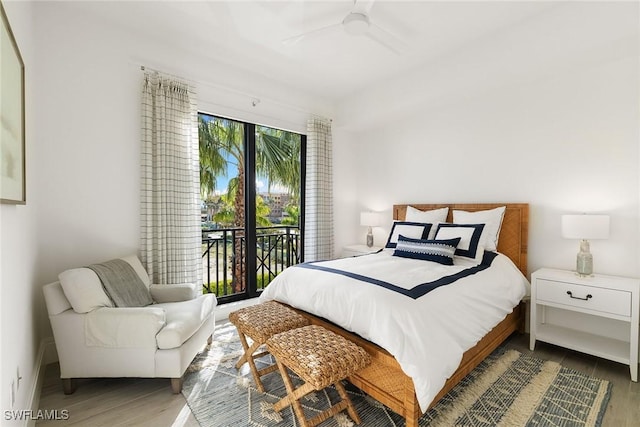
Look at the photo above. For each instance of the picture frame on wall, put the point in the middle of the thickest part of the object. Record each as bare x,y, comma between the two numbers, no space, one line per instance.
12,120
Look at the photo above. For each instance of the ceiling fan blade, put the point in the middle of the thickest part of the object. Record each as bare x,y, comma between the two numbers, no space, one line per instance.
386,39
362,6
309,34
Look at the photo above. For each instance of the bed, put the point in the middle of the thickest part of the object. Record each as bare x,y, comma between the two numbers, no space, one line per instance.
385,379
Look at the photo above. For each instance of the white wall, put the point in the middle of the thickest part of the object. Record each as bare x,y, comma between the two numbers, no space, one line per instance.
347,162
559,132
496,122
19,290
90,107
83,151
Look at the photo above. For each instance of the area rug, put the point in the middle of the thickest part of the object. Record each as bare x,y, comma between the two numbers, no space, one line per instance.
507,389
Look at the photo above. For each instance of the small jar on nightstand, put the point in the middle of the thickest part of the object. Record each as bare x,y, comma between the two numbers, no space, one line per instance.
356,250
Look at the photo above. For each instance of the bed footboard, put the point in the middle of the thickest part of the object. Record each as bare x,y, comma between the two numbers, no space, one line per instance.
385,381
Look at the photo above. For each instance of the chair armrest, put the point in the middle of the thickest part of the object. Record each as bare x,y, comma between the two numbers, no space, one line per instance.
124,327
173,293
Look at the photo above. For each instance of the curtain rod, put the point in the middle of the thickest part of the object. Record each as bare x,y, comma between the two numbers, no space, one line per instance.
255,100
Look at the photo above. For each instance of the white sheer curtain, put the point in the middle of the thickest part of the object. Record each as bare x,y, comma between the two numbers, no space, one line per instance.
318,216
170,190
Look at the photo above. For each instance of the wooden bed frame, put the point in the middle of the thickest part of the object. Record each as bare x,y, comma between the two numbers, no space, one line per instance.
383,379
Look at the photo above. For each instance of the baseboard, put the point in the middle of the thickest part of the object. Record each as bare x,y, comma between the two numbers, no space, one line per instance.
50,352
223,310
46,354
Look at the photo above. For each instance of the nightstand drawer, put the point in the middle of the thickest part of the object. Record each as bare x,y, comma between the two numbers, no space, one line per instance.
612,301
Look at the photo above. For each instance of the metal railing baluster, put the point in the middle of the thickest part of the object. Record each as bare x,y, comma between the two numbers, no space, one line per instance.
277,250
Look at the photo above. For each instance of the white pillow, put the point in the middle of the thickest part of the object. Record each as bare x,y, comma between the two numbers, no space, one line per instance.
83,289
137,266
469,234
434,216
492,219
412,230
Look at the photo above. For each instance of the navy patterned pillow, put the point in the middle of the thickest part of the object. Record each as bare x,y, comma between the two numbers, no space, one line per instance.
440,251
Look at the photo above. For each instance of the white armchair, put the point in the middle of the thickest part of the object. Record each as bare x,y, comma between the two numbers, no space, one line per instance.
95,339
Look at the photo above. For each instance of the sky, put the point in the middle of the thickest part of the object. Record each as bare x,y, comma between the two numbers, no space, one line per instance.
262,183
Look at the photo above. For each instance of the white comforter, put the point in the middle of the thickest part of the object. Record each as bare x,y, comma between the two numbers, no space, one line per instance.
427,335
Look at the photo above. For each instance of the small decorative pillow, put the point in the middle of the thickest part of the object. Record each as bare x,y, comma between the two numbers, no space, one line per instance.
83,289
440,251
469,235
414,230
435,216
134,261
492,219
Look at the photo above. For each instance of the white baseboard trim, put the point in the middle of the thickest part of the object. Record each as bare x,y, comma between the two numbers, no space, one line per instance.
50,352
223,310
46,352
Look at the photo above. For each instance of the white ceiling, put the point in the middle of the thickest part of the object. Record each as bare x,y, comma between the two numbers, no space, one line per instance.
333,64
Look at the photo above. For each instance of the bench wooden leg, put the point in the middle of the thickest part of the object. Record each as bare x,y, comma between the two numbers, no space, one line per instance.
249,357
345,398
292,396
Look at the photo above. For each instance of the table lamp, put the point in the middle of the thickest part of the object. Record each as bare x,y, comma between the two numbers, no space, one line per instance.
585,227
370,219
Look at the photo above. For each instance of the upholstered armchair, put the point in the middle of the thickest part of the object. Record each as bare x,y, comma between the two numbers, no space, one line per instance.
95,338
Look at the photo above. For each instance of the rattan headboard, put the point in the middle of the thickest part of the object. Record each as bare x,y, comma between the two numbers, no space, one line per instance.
513,234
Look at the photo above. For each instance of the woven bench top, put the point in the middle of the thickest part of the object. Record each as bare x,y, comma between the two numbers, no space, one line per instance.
262,321
320,357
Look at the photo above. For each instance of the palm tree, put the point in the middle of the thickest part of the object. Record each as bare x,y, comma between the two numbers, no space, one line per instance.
226,212
293,214
221,147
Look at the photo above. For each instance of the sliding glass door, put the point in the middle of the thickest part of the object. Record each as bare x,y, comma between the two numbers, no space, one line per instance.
251,180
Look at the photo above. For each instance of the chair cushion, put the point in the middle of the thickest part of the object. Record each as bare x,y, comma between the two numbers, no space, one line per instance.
83,288
134,261
175,292
183,319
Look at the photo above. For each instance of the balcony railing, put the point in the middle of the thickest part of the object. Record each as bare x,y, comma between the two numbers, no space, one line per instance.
224,249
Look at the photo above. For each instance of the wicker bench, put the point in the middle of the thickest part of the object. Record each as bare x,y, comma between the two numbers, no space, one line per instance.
260,322
321,358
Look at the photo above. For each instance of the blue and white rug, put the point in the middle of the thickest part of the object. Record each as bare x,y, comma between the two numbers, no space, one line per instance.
508,389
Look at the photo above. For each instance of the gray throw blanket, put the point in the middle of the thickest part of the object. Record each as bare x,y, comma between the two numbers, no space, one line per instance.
122,284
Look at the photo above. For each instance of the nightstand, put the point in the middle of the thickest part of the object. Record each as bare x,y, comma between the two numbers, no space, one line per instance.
596,314
355,250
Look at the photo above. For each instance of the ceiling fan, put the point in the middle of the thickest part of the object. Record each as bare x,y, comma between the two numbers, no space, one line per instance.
357,23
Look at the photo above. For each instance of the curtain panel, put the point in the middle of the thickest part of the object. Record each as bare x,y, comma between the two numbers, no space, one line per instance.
318,217
170,191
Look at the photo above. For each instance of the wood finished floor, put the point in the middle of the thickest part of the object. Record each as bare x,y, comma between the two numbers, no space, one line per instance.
149,402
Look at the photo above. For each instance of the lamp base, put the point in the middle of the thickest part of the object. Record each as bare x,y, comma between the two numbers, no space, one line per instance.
370,238
584,260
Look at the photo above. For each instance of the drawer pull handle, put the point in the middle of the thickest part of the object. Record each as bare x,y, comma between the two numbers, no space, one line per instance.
583,299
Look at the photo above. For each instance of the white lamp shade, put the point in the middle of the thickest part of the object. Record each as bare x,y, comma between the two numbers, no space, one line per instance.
585,226
370,219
